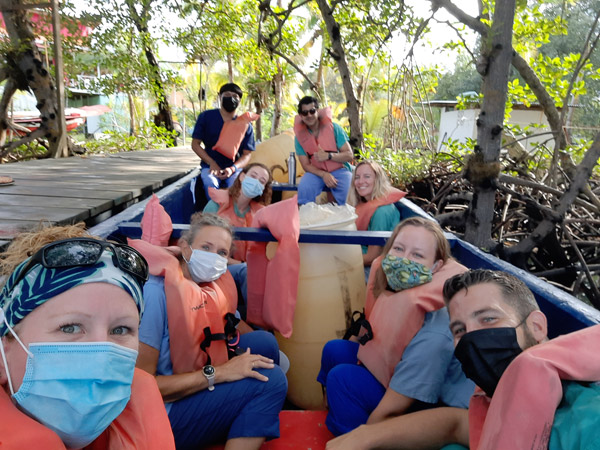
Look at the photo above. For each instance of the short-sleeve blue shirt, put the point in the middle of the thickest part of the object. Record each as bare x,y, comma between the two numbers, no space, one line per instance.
429,371
154,328
385,218
208,128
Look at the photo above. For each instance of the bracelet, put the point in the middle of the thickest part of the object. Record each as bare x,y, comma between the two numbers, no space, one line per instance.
235,168
329,156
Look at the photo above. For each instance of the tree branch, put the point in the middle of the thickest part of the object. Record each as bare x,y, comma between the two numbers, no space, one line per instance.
522,67
6,149
295,66
588,49
595,299
546,226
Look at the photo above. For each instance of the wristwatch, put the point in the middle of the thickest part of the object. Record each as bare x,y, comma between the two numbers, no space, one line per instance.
329,155
209,373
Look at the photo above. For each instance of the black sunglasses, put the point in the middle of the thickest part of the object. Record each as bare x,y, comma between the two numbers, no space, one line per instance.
311,111
81,252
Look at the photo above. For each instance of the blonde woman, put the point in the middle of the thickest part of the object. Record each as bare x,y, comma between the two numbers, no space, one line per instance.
373,197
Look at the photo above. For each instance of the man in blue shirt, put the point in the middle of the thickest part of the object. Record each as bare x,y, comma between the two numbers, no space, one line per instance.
217,170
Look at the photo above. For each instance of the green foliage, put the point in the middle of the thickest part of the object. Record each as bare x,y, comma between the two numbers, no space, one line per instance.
401,168
463,78
149,137
123,37
408,165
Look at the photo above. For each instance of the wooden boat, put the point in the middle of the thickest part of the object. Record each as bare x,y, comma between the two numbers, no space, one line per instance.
306,429
565,313
74,117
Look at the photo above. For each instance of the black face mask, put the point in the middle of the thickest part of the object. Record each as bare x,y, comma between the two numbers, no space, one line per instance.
485,355
230,103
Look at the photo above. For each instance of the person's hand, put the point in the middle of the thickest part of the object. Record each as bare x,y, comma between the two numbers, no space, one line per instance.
329,180
215,170
225,173
174,250
243,366
322,155
350,441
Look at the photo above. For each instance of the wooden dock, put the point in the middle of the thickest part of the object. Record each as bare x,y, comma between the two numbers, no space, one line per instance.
85,188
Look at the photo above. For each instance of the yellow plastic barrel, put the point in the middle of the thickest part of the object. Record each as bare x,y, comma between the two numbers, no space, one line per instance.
274,153
331,286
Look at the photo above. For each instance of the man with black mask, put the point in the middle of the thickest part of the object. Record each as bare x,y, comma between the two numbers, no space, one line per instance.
534,393
217,170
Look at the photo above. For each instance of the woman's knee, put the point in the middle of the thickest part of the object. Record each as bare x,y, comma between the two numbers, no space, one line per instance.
276,386
261,342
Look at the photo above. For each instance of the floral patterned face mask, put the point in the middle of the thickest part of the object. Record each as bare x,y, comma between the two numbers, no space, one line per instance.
402,273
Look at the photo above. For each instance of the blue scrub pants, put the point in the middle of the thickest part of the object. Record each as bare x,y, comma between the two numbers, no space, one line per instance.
312,185
239,272
353,392
243,408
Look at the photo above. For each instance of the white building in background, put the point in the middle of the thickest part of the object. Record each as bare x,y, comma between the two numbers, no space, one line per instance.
461,124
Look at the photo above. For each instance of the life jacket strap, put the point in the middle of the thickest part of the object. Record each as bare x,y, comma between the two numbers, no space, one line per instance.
358,321
230,333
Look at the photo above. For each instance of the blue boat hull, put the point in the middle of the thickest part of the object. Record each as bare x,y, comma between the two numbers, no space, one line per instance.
565,313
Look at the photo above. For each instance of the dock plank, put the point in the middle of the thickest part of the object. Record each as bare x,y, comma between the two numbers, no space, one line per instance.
88,188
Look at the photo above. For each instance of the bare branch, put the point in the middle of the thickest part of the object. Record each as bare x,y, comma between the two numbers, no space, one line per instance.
295,66
595,299
6,149
546,226
588,49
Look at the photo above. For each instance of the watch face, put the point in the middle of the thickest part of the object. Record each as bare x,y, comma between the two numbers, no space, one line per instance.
208,370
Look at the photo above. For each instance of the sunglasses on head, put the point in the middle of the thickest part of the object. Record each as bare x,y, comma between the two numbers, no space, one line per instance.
81,252
306,112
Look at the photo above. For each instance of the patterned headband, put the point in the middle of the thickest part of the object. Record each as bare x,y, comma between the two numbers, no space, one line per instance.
42,284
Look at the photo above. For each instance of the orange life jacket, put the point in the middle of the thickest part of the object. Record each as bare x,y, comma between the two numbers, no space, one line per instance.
325,140
192,310
273,284
395,318
366,210
232,134
143,424
521,412
226,210
156,224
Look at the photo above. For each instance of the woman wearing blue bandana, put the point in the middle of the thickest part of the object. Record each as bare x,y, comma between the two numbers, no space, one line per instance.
250,192
69,318
404,347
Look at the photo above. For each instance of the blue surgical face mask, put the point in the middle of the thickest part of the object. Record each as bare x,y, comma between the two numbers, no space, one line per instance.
76,389
251,187
206,266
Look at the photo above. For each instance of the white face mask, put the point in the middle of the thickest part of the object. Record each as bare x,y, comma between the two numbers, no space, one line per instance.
206,266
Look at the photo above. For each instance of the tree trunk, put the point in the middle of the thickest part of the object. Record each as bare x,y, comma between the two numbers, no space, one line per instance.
164,116
230,68
132,127
277,90
26,68
9,90
483,166
338,54
258,123
322,94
